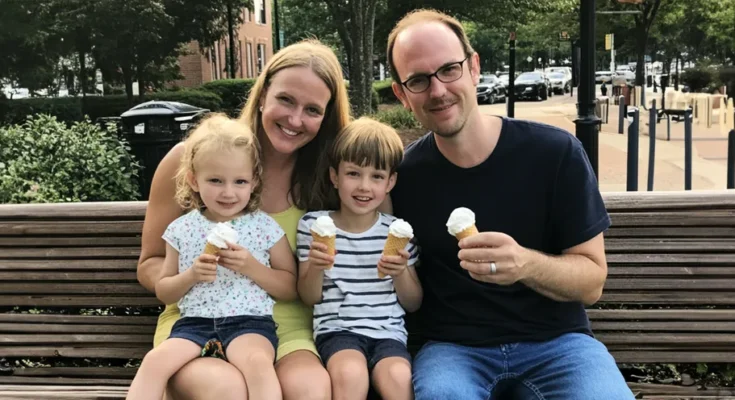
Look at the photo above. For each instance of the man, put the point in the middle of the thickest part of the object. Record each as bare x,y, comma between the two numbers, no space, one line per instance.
504,309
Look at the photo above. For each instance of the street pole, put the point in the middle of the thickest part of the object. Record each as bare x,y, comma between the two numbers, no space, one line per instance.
587,122
276,26
512,76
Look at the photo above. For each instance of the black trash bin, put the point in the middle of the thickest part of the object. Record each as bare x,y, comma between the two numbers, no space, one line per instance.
152,129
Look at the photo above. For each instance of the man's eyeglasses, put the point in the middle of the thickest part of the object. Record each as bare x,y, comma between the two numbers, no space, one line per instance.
448,73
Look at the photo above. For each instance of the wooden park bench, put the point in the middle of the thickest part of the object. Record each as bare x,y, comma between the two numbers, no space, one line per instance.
670,253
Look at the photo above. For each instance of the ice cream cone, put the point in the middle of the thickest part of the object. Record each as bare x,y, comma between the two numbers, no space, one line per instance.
392,245
467,232
328,241
210,248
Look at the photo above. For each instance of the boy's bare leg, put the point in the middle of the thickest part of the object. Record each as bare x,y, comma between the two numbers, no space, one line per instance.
349,374
392,378
159,365
254,355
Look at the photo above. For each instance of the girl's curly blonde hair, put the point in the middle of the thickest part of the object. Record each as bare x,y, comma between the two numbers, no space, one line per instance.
217,133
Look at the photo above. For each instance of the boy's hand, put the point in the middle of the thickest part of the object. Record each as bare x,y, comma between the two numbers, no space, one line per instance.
318,256
235,258
394,265
204,268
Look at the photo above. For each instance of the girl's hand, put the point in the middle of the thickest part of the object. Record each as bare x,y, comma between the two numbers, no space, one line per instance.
235,258
394,265
204,268
318,257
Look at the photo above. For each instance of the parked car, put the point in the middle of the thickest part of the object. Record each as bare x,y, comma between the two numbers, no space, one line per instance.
603,76
625,72
532,85
504,79
560,82
490,89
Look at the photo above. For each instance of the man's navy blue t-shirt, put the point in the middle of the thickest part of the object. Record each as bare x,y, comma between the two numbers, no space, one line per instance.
538,187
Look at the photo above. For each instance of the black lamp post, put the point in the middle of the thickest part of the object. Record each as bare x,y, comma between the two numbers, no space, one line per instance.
587,123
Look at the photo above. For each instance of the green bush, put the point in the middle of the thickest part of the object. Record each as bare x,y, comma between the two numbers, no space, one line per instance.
398,117
44,161
233,92
385,91
66,109
727,78
699,79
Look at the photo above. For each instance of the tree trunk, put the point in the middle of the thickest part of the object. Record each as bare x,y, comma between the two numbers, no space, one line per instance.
83,73
362,15
231,33
128,78
141,79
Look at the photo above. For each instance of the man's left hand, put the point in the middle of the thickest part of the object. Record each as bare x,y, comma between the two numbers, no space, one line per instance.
479,252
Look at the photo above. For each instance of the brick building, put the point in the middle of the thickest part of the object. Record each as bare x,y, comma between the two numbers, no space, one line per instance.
254,47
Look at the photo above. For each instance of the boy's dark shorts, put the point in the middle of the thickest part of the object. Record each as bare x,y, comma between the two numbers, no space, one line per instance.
225,330
374,350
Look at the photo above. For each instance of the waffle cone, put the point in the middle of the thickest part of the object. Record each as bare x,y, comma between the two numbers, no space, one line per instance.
209,248
326,240
467,232
392,245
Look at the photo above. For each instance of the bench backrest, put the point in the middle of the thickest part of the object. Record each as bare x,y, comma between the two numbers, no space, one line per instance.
668,297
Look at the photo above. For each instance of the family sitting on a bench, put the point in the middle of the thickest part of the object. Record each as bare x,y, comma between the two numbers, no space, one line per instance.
499,288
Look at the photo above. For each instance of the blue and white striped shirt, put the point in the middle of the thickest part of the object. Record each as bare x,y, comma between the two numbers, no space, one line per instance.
354,299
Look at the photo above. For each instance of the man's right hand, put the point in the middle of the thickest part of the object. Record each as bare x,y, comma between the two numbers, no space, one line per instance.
318,257
205,268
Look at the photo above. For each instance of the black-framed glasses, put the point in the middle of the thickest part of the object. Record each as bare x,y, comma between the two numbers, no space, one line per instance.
448,73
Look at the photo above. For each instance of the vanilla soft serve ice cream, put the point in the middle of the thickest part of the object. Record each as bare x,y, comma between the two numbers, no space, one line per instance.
222,233
324,226
400,229
461,223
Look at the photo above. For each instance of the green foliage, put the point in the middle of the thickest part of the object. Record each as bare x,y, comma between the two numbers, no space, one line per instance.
398,117
385,91
44,161
233,92
374,97
66,109
699,79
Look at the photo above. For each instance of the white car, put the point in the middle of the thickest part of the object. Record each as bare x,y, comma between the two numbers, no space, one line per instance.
560,82
626,73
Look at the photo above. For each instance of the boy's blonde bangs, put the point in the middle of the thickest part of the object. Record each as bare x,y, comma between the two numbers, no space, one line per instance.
367,142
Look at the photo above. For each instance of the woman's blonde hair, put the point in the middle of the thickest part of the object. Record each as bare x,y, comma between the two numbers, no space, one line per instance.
309,191
217,133
367,142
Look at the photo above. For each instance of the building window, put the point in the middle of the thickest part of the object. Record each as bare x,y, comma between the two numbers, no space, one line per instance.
261,57
249,55
260,11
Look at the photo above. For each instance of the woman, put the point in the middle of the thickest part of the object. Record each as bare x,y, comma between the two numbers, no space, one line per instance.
297,106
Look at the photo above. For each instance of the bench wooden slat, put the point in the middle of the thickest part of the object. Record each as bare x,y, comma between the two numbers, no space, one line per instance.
50,264
664,326
37,395
673,356
88,252
80,241
674,219
653,388
72,351
94,211
669,200
67,276
38,228
79,301
670,259
671,297
644,245
74,338
668,232
704,340
73,288
689,270
75,328
47,380
87,372
77,319
657,283
672,315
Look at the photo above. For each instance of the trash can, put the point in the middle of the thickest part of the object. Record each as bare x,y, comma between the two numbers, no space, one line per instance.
152,129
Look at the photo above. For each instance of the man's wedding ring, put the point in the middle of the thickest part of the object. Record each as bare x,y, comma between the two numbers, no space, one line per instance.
493,268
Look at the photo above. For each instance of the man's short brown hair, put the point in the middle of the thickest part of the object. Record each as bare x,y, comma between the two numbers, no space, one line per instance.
423,16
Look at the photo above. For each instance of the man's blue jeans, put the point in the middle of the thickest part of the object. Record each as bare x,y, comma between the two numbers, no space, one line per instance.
570,367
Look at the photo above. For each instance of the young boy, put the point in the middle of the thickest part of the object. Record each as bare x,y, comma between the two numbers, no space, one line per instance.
359,294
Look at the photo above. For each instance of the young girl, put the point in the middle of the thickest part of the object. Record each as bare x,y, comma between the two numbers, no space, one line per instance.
358,315
226,297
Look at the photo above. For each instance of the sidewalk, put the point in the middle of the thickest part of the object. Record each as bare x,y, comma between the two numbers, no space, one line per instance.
669,158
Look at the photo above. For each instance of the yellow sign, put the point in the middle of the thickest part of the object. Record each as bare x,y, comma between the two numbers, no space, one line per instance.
608,41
